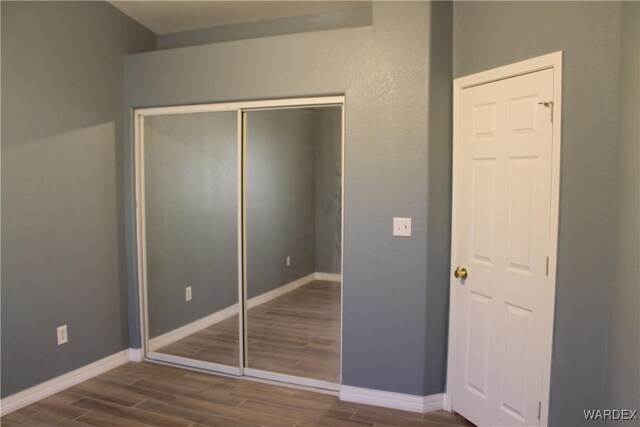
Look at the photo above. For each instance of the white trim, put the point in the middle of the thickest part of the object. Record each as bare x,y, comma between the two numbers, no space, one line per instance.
242,328
434,402
192,363
191,328
388,399
329,277
554,228
343,123
136,355
550,61
63,382
244,105
544,62
141,246
291,379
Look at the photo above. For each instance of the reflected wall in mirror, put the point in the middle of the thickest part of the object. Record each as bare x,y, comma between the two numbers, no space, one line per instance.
191,233
293,176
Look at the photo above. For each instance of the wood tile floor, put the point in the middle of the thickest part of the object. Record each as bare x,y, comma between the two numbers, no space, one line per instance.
296,334
145,394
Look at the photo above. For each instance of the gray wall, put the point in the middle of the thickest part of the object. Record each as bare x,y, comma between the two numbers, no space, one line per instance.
622,390
491,34
280,197
381,70
62,247
191,205
272,27
439,194
328,202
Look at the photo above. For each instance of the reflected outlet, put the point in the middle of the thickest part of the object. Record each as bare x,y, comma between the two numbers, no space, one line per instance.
63,338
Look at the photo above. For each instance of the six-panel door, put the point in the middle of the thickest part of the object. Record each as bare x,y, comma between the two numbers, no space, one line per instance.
504,212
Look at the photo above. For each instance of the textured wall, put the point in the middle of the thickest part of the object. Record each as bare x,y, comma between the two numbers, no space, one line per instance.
191,206
382,70
272,27
622,390
62,243
439,194
491,34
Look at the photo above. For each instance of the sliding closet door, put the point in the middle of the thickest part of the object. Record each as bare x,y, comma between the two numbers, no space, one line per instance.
293,242
191,237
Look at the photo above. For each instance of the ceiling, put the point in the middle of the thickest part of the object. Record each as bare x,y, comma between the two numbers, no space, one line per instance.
164,17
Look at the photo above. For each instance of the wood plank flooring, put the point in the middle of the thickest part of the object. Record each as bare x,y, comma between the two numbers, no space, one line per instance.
145,394
296,334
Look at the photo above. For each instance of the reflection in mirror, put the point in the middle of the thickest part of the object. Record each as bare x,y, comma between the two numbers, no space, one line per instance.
293,241
191,220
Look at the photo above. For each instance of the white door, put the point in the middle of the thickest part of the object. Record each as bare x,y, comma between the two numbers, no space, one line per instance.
503,227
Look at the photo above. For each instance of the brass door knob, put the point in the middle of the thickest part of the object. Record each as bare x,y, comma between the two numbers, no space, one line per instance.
460,273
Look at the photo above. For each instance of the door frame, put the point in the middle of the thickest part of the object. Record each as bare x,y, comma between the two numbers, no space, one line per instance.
240,108
550,61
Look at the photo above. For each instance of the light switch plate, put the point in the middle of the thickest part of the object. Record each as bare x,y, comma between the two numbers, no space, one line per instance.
402,227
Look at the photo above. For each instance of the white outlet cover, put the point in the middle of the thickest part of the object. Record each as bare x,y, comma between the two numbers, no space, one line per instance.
188,293
63,337
402,227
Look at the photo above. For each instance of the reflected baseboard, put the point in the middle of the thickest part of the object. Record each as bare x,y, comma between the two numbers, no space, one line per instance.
281,290
191,328
210,320
329,277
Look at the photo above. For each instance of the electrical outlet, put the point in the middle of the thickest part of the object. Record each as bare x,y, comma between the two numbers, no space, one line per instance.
402,227
63,338
187,293
288,261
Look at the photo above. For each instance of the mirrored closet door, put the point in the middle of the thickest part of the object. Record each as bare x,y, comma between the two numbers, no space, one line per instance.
239,228
293,230
190,187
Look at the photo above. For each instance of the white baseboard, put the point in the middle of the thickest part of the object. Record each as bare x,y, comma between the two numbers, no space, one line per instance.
63,382
135,355
434,402
331,277
387,399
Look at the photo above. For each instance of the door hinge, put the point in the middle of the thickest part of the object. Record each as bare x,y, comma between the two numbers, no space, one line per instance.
548,104
539,409
547,273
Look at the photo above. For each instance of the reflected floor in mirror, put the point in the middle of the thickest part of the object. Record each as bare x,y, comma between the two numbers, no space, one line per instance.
297,334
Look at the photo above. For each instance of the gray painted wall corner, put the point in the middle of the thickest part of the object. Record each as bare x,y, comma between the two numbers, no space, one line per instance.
622,376
62,242
439,194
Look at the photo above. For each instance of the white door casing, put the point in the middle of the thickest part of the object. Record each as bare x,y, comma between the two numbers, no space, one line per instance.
505,236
